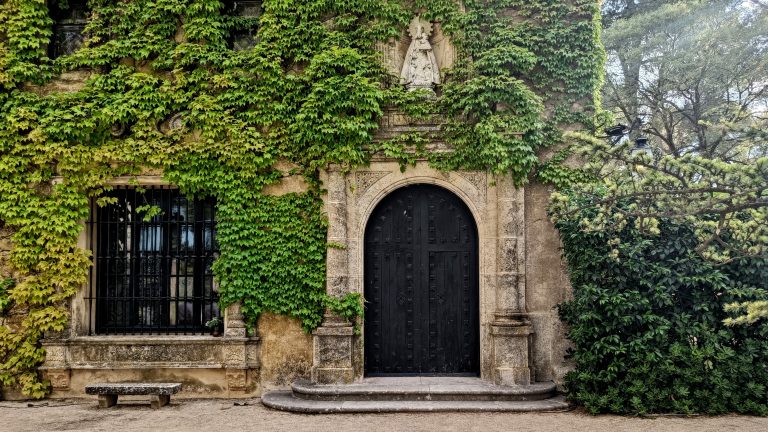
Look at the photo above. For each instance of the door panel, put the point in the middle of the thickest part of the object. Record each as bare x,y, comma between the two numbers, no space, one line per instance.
421,285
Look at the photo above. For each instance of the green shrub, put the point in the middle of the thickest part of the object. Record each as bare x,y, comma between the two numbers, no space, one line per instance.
647,325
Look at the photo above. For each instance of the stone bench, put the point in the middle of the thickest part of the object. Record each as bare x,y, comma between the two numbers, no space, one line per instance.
160,393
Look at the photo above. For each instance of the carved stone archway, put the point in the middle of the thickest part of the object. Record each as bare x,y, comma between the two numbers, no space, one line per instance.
497,207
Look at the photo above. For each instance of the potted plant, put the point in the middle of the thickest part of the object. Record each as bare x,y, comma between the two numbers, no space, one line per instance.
216,325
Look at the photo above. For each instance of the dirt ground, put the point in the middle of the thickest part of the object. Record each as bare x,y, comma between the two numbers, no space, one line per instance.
225,415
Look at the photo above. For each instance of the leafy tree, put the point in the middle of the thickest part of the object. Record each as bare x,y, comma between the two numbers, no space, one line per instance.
693,74
696,73
640,224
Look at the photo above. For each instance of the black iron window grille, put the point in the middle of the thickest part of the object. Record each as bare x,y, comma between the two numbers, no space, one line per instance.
244,22
69,20
152,252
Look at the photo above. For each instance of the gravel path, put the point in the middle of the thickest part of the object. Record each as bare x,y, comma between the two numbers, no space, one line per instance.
218,415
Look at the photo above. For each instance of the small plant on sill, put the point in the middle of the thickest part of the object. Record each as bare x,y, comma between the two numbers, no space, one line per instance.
215,324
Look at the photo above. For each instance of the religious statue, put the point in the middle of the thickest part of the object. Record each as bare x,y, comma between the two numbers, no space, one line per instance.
420,69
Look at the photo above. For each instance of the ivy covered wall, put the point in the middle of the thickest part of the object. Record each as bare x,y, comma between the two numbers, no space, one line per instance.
308,92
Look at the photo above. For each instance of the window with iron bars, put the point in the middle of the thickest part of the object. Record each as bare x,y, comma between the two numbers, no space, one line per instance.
152,254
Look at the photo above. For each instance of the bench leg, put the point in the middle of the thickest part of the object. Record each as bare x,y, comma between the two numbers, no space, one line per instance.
158,401
107,400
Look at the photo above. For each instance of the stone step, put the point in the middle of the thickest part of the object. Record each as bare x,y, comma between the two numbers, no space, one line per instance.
285,401
422,389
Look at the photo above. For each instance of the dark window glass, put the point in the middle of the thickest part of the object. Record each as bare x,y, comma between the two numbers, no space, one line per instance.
243,23
153,252
69,19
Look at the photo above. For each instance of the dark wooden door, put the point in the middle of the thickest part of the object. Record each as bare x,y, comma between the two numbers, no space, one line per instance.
421,285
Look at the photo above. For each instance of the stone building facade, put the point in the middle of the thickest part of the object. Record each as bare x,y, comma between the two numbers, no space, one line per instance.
520,279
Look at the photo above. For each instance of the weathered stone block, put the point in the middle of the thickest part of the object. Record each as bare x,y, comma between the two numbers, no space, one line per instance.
237,379
337,222
234,355
333,375
106,401
511,349
332,351
234,326
332,354
59,378
508,255
508,292
337,261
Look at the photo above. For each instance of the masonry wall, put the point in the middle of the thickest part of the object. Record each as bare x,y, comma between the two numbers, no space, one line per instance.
547,285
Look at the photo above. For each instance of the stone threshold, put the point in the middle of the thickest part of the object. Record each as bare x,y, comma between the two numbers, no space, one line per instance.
415,394
284,401
422,388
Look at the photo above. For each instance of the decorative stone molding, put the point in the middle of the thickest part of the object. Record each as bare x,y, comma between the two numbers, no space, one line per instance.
234,356
146,351
56,368
478,179
118,130
365,179
237,379
59,378
173,123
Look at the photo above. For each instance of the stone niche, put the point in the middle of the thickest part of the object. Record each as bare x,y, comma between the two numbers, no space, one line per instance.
395,51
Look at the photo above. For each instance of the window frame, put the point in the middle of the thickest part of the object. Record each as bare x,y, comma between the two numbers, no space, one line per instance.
112,292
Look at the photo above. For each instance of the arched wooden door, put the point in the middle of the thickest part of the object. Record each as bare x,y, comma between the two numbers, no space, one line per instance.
421,285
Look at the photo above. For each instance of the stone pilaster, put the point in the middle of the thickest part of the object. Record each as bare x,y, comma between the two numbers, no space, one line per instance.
511,328
338,261
332,341
235,356
234,326
56,366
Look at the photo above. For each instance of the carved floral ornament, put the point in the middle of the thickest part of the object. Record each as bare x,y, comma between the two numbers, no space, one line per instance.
420,70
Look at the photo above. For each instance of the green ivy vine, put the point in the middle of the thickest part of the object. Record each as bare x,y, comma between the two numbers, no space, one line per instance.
309,93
